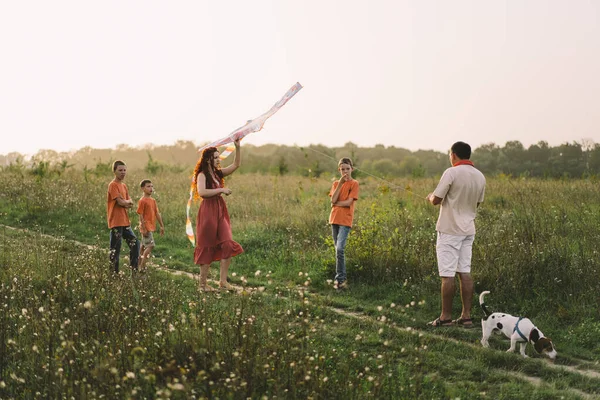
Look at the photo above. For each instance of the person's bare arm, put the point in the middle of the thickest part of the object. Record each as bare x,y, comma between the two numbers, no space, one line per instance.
433,199
204,192
124,203
344,203
236,162
336,194
143,230
160,221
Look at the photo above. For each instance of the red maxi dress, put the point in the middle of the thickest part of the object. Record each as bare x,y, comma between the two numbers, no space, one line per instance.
213,232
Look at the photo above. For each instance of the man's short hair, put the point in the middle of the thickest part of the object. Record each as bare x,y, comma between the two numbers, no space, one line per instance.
116,164
144,182
462,150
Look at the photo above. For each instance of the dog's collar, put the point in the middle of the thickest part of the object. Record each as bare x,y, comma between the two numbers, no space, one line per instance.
519,331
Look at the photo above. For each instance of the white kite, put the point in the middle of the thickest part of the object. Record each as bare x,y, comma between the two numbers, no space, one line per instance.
254,125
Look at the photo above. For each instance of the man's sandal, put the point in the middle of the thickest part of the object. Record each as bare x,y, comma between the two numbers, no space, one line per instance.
466,323
440,323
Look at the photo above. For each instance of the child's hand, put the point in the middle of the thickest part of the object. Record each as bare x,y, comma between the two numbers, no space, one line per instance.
226,191
162,231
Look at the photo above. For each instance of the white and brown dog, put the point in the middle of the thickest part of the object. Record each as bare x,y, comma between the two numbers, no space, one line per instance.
518,329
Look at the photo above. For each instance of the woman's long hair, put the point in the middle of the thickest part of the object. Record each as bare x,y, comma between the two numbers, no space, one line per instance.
203,166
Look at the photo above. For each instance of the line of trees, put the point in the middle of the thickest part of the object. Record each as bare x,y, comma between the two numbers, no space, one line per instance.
569,160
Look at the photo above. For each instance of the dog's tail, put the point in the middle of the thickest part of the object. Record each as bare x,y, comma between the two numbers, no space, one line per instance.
486,312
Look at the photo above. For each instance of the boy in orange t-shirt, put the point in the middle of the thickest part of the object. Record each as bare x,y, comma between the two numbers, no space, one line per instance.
148,212
117,204
344,192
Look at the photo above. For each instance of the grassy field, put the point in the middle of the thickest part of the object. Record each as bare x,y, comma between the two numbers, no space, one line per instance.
69,328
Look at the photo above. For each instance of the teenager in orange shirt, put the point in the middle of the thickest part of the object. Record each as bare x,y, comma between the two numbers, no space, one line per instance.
148,212
344,192
118,203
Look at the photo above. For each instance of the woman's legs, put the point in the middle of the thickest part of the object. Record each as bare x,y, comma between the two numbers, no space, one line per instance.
223,275
204,277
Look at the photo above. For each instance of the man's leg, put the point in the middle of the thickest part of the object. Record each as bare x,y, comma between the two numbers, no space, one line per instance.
464,273
447,259
116,236
466,294
447,297
134,247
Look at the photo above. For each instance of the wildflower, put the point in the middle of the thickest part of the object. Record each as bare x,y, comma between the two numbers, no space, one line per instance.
35,348
2,384
412,303
171,328
379,308
41,309
159,333
24,311
176,386
130,375
87,305
257,273
325,379
393,305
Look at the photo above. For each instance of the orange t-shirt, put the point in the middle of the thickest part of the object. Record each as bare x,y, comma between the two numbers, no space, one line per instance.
148,209
115,214
344,215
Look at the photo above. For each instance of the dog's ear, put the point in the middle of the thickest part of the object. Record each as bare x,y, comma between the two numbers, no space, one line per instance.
534,335
542,345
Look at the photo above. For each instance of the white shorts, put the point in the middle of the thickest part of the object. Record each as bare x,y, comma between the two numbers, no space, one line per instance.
454,254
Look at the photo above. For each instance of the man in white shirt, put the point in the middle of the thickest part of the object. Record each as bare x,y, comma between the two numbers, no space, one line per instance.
460,191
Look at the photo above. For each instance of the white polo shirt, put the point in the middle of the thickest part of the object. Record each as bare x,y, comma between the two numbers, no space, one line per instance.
461,188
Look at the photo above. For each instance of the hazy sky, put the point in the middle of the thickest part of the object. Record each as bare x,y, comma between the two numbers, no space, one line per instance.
414,74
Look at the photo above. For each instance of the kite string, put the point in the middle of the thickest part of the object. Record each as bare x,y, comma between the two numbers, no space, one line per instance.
367,173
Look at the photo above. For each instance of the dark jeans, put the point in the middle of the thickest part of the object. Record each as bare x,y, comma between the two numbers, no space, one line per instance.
116,237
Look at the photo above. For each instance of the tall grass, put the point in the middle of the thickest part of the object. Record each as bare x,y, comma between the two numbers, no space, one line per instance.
536,238
71,328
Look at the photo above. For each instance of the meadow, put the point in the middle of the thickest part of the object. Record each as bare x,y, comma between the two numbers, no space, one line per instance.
70,329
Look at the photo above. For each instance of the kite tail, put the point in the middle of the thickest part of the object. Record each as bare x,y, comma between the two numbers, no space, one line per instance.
189,230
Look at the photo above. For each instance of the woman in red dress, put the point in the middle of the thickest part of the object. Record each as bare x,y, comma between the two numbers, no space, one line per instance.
213,227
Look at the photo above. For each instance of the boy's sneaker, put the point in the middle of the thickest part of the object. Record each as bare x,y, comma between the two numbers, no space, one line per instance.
341,285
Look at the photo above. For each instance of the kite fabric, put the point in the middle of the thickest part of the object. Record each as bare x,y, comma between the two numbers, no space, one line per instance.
254,125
